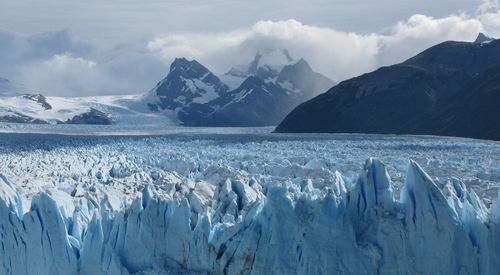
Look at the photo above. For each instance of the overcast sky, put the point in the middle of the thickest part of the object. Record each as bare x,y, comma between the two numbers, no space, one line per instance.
67,47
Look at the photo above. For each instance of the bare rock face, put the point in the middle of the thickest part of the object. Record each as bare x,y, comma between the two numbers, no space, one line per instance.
39,98
93,116
483,38
15,117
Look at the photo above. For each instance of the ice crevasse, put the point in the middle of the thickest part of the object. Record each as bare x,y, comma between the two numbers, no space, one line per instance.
241,227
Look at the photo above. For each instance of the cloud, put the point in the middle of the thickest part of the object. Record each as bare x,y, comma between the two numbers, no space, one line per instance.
62,62
489,14
419,32
16,48
56,63
488,6
335,53
63,74
222,50
59,63
69,75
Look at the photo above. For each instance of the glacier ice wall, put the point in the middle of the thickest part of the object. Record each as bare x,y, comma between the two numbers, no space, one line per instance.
242,227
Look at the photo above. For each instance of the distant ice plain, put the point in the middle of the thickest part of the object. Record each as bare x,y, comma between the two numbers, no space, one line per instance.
248,151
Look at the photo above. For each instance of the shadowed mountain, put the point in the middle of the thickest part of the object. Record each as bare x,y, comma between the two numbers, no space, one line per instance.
409,98
475,114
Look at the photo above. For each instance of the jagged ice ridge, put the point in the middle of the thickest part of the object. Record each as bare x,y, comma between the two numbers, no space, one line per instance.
240,226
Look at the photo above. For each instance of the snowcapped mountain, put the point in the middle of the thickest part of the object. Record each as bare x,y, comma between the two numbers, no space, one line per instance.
266,65
18,105
254,103
261,93
266,100
39,109
188,82
300,80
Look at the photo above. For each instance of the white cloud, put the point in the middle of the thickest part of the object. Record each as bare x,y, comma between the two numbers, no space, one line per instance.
58,63
491,23
488,6
69,75
65,61
64,74
420,32
219,51
335,53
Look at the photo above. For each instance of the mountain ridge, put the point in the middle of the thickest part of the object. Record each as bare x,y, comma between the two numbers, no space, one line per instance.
281,86
398,99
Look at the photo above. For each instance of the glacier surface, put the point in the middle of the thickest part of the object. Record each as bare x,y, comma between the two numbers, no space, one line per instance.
240,203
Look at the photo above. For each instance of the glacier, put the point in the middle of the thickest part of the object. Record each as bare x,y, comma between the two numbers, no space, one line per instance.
219,204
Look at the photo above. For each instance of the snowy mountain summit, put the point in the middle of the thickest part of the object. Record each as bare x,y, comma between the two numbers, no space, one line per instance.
258,94
265,63
188,82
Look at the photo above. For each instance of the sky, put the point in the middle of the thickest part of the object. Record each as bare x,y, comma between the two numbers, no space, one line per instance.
98,47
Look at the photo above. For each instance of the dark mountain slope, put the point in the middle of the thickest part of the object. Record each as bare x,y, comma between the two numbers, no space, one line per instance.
254,103
260,102
265,95
401,99
476,113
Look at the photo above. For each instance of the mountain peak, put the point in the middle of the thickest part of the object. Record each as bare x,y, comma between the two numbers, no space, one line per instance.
482,38
295,70
187,82
302,63
300,78
269,60
185,65
180,62
272,58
